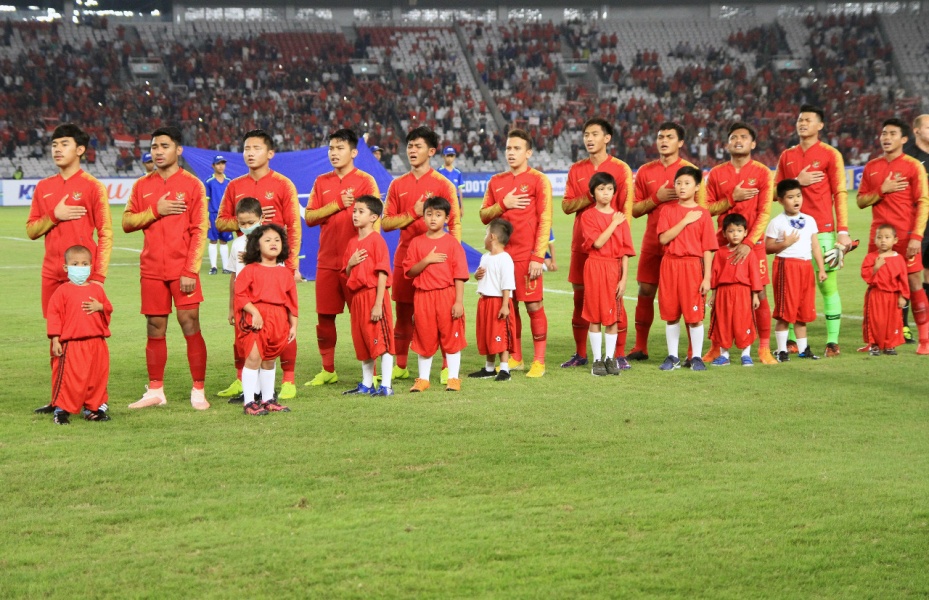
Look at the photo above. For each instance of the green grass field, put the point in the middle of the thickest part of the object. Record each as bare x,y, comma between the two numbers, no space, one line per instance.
803,480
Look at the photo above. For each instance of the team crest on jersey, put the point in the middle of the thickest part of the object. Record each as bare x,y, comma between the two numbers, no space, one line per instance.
815,164
752,181
180,196
77,196
524,188
428,194
269,195
347,191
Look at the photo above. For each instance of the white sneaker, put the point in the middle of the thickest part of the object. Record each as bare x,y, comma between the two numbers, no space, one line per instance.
151,397
198,399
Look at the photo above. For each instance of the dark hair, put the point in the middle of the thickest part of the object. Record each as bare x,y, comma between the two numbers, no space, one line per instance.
72,131
785,186
895,122
253,252
172,132
261,134
425,134
690,171
599,179
892,229
669,125
78,247
248,205
814,109
438,203
740,125
345,135
373,203
602,123
521,134
734,219
501,228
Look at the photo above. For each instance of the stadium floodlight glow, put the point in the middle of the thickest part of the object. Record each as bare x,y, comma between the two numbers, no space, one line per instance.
156,13
7,8
33,8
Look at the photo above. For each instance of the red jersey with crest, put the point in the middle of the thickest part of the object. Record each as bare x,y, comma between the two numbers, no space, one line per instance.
648,179
173,244
273,190
437,276
907,209
826,201
81,189
326,209
365,274
593,224
720,188
577,198
695,239
531,225
403,194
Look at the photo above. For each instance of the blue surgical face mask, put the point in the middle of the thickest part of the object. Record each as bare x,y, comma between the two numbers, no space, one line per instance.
78,275
248,230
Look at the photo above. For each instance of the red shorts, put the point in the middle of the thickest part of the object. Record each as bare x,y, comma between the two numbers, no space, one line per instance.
271,338
794,288
883,323
494,335
649,268
526,290
48,288
733,319
157,296
913,265
576,270
433,325
332,293
679,289
371,339
401,286
80,375
759,254
601,277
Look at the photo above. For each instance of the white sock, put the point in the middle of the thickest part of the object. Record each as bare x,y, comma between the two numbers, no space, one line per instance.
387,370
367,373
610,344
489,365
781,337
504,365
225,251
425,366
249,384
672,333
696,340
724,353
802,344
454,364
212,252
747,351
266,381
596,343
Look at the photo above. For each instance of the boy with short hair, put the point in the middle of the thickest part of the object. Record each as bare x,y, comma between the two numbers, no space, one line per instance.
686,231
78,325
367,272
885,272
215,190
436,263
496,281
736,295
792,236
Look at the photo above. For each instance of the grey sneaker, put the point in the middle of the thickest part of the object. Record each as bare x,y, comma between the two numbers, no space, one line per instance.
611,368
599,369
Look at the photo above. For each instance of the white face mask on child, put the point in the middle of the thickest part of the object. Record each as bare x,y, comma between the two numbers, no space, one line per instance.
248,230
78,275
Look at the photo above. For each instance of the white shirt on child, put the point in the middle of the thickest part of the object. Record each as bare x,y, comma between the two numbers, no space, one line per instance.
805,224
238,245
499,275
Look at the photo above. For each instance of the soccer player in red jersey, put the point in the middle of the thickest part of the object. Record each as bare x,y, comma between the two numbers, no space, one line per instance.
820,169
67,209
894,186
330,207
280,206
743,186
654,192
523,196
169,206
577,200
404,211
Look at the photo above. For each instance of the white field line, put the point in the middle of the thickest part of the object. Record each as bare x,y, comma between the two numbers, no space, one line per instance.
18,239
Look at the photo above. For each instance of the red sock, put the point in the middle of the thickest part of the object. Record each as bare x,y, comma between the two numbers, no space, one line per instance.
156,357
763,322
621,343
517,353
538,324
644,315
289,361
579,325
919,305
326,338
403,332
196,358
239,362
